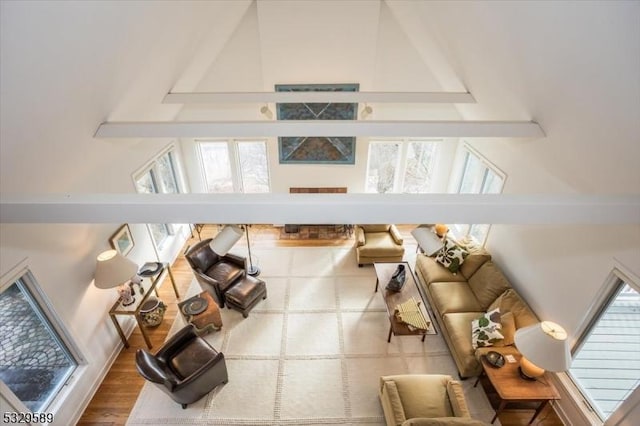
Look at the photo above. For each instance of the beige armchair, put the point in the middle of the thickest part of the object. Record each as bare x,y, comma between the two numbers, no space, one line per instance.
378,243
424,399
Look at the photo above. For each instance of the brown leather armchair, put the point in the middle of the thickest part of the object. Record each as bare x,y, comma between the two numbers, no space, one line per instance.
186,367
216,274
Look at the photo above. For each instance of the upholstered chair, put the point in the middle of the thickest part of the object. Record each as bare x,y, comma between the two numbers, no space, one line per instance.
186,367
378,243
424,399
215,274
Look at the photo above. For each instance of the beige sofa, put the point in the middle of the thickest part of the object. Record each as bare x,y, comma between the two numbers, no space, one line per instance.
457,299
378,243
424,399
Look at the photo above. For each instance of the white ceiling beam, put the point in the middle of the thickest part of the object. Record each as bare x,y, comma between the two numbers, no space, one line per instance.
318,97
335,128
321,208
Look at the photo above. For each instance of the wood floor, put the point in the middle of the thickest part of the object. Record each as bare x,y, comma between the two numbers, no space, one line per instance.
118,392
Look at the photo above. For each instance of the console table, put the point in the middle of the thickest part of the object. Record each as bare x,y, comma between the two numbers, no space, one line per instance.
134,309
511,388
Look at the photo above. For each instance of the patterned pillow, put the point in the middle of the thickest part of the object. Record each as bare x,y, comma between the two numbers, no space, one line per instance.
484,330
451,256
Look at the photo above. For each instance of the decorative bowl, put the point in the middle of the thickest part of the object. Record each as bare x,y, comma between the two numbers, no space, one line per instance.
495,359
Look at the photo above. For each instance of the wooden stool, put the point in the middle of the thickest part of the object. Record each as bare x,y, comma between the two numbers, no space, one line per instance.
207,320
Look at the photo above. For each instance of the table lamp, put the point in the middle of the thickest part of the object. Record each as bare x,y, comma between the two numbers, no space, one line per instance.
543,347
115,270
441,229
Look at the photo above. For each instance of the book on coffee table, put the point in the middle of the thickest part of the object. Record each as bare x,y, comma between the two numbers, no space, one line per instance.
409,313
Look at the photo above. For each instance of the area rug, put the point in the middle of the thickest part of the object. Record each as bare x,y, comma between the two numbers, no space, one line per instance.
312,353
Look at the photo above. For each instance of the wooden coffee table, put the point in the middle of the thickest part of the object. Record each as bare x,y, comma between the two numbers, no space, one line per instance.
207,320
384,271
512,388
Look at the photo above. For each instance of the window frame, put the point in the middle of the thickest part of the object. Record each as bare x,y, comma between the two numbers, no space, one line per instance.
237,181
618,277
396,173
401,161
151,168
22,271
241,178
466,230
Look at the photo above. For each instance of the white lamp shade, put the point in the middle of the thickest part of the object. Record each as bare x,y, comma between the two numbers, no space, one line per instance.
222,243
428,241
544,344
113,269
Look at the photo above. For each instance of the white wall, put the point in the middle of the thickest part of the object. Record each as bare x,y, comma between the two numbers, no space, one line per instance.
550,265
62,260
559,270
66,67
573,68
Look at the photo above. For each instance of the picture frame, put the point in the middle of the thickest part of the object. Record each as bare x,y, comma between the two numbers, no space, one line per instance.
317,149
122,240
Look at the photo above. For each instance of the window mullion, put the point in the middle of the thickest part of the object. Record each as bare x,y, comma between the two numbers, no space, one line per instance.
401,166
467,158
234,162
160,188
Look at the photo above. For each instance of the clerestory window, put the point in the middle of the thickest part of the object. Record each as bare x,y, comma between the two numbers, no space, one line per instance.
159,177
478,176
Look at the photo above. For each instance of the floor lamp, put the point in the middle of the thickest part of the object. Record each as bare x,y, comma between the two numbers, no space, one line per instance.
231,234
253,270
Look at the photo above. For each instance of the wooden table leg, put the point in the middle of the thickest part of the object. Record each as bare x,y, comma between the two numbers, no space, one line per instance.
377,282
119,329
499,410
482,373
173,282
390,332
539,410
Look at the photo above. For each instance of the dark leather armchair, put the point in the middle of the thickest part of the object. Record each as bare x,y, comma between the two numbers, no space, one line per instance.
186,367
216,274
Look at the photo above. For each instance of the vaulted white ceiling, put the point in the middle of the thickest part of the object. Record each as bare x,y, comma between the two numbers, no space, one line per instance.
283,42
68,66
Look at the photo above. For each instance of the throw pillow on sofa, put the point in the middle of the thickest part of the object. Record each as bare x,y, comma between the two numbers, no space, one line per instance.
510,301
451,256
485,329
508,329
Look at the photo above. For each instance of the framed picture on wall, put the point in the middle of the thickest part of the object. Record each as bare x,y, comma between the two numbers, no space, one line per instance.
122,241
317,149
